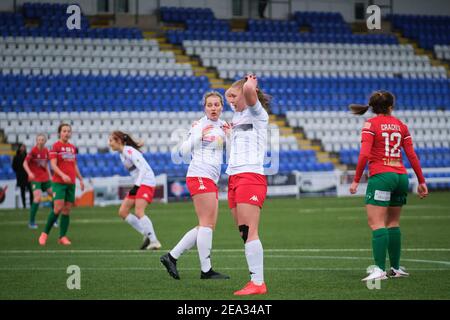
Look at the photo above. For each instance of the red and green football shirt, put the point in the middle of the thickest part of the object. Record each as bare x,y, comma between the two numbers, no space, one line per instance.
38,162
65,153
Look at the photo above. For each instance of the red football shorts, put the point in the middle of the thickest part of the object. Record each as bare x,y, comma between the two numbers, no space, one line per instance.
144,192
197,185
248,188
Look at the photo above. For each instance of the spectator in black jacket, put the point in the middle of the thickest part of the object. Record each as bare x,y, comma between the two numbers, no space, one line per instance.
21,174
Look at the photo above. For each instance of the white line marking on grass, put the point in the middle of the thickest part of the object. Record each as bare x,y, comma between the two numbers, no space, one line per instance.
269,256
196,269
99,251
405,217
361,208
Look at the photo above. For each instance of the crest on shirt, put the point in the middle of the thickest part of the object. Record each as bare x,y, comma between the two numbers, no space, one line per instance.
130,151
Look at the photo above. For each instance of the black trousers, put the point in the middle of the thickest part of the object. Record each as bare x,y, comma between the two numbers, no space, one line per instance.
23,189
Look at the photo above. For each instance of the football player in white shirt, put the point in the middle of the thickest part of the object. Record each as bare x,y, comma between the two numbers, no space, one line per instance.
205,143
144,187
247,184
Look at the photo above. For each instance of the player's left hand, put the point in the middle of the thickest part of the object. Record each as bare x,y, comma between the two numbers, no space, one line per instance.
226,127
354,187
251,80
82,185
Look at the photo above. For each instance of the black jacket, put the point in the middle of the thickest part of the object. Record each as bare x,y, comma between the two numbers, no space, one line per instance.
17,166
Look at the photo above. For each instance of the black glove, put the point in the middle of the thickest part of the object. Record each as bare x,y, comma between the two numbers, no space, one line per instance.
133,191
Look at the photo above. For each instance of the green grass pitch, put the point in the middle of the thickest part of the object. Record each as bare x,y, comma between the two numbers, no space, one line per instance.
315,248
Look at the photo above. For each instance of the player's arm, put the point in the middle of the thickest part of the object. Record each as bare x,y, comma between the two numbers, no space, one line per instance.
48,171
249,89
194,138
31,176
367,138
58,171
415,163
79,176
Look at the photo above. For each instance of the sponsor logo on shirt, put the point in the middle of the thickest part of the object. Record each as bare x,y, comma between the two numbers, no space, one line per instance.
243,127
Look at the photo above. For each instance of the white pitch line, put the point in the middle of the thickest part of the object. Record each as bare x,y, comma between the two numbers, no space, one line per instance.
196,269
446,263
218,250
405,217
361,208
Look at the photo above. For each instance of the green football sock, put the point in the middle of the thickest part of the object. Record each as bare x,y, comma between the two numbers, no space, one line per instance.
33,211
380,240
63,225
50,221
395,246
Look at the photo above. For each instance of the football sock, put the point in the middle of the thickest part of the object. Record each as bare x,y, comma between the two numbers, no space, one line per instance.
255,260
134,222
147,228
204,244
52,217
395,246
186,243
380,240
63,225
33,210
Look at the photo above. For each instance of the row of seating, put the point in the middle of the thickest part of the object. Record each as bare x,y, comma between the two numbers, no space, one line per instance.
53,18
427,30
108,164
282,46
23,42
429,157
442,51
299,60
341,130
178,36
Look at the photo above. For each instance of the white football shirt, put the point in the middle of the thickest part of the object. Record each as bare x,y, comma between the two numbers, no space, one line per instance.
137,166
248,140
206,152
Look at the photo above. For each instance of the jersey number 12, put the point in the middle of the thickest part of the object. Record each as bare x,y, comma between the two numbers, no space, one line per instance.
395,151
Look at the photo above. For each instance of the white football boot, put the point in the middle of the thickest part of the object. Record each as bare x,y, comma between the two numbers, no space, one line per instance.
375,273
398,273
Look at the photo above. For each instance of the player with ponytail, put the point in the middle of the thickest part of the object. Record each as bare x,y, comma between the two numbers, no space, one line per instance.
382,138
144,187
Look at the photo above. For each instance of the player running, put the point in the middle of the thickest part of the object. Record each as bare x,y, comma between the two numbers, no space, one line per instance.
64,164
205,143
141,194
36,166
381,139
247,184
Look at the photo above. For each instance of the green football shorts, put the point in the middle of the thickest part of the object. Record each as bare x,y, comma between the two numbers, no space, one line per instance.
44,186
64,192
387,189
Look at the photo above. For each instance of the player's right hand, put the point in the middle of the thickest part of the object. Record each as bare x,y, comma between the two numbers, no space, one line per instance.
353,187
66,179
31,177
422,190
207,130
